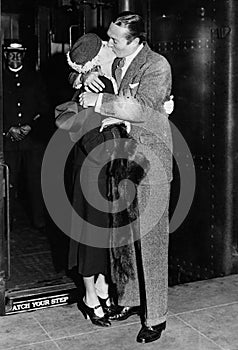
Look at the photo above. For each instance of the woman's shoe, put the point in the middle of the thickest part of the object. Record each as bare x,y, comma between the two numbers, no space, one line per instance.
90,312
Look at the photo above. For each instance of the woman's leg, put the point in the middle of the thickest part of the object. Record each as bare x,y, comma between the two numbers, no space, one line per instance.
91,298
102,287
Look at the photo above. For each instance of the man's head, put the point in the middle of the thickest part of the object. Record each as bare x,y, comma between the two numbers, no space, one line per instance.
126,33
14,55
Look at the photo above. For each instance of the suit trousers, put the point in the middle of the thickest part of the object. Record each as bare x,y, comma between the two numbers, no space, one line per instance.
150,287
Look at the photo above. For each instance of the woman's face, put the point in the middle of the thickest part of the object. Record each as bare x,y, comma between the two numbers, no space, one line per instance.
106,57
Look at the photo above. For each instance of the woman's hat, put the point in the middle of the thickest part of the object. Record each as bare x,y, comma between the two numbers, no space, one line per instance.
85,48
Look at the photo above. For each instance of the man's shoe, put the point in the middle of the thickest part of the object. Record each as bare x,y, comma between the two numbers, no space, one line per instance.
149,334
110,310
123,312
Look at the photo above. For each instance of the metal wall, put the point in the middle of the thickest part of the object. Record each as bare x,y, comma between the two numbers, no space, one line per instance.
198,38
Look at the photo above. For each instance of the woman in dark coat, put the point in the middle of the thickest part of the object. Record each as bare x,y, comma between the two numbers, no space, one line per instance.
92,152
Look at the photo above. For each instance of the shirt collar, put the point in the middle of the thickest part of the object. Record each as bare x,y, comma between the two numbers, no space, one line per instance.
15,69
133,55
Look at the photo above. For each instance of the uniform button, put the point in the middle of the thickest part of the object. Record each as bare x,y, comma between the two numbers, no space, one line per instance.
18,84
19,114
18,104
17,75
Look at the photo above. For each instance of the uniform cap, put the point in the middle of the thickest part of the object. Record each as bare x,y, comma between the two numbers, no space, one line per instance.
15,47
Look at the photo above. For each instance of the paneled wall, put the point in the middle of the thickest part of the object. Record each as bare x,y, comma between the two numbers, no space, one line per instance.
198,38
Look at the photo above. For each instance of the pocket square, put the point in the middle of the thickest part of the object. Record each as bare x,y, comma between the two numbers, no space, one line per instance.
132,86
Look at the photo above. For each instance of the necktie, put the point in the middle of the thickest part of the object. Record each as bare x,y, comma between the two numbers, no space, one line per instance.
119,62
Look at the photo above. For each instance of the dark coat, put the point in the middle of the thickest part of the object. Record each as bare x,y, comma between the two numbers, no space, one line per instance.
25,103
92,152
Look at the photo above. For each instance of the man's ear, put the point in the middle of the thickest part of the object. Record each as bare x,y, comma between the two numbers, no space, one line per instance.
136,41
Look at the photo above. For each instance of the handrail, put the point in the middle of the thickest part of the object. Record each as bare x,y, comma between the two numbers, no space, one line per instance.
7,216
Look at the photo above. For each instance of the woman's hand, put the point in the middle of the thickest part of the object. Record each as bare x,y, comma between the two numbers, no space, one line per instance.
88,99
93,83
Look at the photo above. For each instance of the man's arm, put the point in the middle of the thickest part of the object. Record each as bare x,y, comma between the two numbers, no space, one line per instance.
149,96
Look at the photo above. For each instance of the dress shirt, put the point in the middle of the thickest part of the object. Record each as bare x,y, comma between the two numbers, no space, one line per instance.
128,61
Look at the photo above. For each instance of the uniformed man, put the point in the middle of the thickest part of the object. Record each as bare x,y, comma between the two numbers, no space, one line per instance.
25,107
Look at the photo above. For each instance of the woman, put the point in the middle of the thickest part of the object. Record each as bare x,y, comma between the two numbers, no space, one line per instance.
90,55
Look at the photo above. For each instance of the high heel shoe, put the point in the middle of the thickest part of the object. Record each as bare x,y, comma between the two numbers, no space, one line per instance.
90,312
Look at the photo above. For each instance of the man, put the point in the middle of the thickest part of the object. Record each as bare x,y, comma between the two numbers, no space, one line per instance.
143,87
24,107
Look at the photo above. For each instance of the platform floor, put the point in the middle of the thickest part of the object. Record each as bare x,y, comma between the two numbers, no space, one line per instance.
202,316
37,257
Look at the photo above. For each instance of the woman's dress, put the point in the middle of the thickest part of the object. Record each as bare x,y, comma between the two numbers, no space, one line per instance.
89,242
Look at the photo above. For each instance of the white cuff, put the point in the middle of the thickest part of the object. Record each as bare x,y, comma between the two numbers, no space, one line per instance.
98,103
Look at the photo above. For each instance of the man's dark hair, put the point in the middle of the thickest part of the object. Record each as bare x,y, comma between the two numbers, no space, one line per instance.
134,23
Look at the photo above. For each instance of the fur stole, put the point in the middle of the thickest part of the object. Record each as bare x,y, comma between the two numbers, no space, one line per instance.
125,228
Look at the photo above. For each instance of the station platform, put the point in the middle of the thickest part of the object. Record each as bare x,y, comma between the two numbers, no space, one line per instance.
203,315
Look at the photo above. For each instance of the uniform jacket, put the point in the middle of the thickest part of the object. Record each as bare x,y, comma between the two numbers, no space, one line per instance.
24,102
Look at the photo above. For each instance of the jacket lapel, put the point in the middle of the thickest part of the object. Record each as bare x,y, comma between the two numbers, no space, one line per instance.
134,67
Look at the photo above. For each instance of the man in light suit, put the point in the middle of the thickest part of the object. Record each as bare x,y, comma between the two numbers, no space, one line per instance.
144,86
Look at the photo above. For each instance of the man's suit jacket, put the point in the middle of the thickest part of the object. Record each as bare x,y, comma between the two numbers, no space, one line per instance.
144,88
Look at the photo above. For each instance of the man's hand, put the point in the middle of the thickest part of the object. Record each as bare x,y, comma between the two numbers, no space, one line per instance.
15,133
88,99
169,105
93,83
25,129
